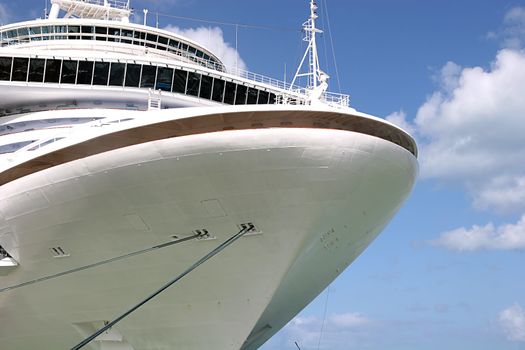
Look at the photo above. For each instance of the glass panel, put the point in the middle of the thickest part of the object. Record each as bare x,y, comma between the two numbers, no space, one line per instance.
114,32
5,68
36,69
69,72
23,31
148,76
116,77
73,29
206,82
126,33
272,99
252,96
179,85
35,30
52,71
151,40
87,30
218,90
240,97
193,84
101,73
164,79
133,75
20,69
163,40
229,93
263,97
85,72
174,43
101,33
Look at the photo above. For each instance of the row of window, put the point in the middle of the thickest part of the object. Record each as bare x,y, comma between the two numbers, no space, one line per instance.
113,34
131,75
29,125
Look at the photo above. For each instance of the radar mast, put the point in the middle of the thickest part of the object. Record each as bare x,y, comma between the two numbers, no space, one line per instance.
317,79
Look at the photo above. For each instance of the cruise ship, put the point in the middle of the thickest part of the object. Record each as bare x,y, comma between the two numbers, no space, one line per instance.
151,197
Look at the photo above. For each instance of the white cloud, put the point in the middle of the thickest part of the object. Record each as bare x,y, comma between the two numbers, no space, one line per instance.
512,320
504,193
4,14
212,38
340,331
399,119
504,237
514,30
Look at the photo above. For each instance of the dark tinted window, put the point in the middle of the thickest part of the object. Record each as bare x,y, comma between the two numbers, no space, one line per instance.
148,76
179,85
151,40
5,68
205,91
85,72
240,97
101,73
164,79
20,69
36,70
272,99
218,90
229,93
193,84
252,96
116,77
263,97
52,71
163,40
69,72
133,75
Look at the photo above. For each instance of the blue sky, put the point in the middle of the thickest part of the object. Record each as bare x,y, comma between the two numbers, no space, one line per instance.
449,271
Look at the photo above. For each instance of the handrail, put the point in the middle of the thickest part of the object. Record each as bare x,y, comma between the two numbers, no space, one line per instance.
118,4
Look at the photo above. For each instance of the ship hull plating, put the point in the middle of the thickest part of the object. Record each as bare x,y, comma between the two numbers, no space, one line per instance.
317,197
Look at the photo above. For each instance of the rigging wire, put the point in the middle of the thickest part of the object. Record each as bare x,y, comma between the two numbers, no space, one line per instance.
332,44
324,317
99,263
199,262
232,24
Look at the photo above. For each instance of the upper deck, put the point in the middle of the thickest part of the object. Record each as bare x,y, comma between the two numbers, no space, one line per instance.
74,33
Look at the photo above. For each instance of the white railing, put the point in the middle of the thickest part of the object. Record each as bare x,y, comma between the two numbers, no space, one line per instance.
118,4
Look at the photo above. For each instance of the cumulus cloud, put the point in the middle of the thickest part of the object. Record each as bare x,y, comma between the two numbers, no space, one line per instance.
512,321
212,38
400,119
488,237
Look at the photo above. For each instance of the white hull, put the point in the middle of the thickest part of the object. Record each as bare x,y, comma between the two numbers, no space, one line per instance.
319,196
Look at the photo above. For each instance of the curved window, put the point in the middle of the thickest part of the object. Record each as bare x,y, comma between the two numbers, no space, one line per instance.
132,75
20,66
100,76
13,147
116,77
69,72
36,70
112,34
52,74
5,68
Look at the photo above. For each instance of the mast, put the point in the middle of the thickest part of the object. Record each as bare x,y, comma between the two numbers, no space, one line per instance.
317,79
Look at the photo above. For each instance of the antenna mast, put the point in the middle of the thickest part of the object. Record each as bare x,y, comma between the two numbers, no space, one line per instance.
317,79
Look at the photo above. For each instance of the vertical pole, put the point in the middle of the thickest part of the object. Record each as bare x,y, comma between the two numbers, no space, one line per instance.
236,49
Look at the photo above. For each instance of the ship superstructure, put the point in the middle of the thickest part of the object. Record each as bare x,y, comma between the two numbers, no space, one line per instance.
116,138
